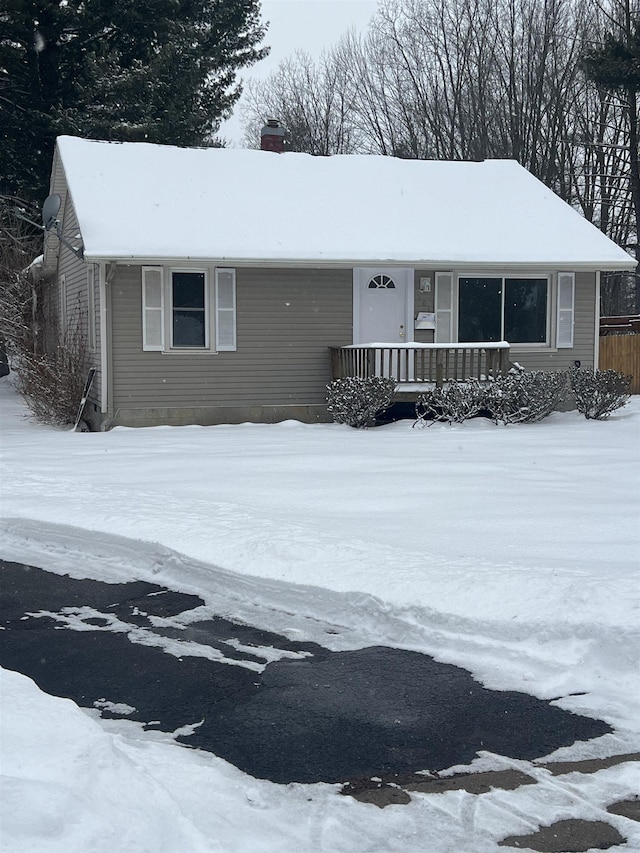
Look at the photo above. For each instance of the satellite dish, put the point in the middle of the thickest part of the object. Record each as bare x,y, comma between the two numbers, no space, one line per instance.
50,210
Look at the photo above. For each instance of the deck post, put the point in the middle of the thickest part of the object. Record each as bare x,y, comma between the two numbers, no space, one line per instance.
335,355
370,369
439,368
504,361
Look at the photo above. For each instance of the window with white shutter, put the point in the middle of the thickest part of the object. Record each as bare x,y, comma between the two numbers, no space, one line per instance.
152,308
188,310
225,309
444,307
566,309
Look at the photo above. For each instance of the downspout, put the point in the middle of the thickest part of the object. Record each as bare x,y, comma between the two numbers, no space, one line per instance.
106,277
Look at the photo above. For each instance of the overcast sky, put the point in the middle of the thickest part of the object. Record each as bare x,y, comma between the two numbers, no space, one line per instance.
309,25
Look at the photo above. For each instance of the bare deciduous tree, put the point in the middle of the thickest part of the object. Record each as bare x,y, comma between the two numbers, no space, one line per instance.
312,100
475,79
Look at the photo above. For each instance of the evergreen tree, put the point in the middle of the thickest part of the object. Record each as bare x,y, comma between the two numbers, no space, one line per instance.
154,70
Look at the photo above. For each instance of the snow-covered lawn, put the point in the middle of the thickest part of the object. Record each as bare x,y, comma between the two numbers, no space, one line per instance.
512,551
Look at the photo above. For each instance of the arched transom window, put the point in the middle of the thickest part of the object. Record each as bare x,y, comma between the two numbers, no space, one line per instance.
379,282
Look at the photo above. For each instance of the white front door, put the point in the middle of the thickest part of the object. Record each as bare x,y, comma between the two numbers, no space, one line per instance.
382,305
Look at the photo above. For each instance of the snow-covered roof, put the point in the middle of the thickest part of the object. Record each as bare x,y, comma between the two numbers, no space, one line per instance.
144,201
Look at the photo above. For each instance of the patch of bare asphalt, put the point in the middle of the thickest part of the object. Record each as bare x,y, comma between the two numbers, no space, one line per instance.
568,836
626,808
565,836
383,790
590,765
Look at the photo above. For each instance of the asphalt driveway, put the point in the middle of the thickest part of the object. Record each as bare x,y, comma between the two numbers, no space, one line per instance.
277,709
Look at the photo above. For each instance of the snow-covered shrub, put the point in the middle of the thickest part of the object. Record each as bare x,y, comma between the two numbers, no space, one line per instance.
454,403
599,393
521,397
356,401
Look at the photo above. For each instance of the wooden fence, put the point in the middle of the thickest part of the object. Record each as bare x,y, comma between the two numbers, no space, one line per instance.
622,353
620,325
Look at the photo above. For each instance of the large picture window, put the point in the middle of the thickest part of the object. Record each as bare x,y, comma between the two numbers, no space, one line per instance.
503,309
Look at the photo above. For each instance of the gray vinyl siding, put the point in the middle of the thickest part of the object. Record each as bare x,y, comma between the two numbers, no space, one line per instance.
77,303
286,320
58,184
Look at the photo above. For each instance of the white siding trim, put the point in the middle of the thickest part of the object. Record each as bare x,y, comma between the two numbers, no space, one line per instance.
91,308
443,304
152,309
225,309
104,353
566,310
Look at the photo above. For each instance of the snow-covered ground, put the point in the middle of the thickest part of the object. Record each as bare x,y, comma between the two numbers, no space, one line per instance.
512,551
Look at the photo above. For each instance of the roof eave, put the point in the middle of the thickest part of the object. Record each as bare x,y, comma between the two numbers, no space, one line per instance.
417,263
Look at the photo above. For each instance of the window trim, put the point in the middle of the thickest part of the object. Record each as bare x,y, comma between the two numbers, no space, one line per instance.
91,307
504,275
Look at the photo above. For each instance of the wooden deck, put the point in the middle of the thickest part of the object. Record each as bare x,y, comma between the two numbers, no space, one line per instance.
415,364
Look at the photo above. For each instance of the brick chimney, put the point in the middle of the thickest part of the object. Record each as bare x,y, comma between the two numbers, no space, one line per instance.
272,136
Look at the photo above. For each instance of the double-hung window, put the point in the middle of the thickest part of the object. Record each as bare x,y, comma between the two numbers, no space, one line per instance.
188,310
496,308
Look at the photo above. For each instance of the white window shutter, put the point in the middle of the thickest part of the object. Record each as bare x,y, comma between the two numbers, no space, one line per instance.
225,309
444,307
152,308
566,309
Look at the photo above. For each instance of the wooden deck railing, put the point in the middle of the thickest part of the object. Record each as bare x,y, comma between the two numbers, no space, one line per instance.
408,363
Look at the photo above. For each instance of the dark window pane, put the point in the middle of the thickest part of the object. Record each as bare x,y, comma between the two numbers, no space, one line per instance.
381,281
188,309
188,290
480,309
525,310
188,329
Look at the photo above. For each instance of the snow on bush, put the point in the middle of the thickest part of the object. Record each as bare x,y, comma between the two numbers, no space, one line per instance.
454,403
599,393
356,401
523,397
519,397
